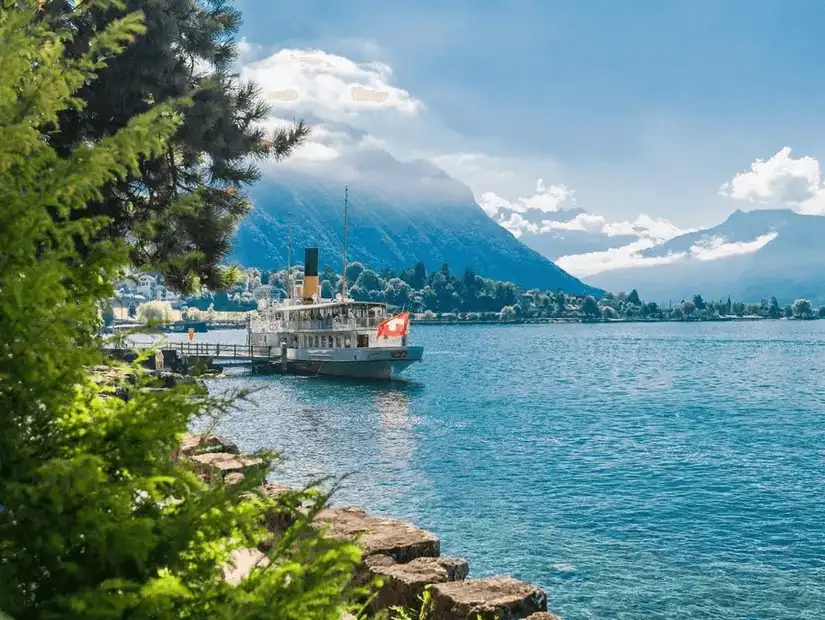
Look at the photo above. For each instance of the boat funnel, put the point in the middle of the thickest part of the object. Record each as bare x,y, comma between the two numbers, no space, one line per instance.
310,274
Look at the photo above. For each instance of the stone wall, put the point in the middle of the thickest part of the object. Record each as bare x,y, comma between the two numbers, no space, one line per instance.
405,557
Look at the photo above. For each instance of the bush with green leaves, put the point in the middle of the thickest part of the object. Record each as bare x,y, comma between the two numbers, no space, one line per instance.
96,519
155,312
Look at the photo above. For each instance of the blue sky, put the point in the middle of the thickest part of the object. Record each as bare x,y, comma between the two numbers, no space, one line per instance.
640,107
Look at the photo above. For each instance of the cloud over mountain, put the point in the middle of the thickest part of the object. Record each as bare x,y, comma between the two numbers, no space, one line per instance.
401,212
327,84
781,179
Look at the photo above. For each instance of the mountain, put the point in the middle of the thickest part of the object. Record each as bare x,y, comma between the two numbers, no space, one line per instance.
750,256
399,213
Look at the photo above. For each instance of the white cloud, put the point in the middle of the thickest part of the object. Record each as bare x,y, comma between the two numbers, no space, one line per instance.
646,227
558,200
630,255
492,203
517,225
315,152
500,176
327,142
716,247
247,52
781,180
583,221
548,198
325,84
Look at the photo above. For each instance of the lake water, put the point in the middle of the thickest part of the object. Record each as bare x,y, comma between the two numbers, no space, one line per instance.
633,471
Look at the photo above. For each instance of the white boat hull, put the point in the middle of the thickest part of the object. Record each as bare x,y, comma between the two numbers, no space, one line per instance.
367,363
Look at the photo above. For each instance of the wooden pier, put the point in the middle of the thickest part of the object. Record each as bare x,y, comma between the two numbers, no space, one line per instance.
210,352
218,351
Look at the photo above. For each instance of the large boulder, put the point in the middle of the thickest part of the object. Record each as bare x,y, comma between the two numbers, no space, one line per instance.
191,445
214,466
233,478
403,584
168,379
493,598
400,540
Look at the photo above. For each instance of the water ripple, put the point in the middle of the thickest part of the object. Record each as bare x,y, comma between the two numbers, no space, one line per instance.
634,471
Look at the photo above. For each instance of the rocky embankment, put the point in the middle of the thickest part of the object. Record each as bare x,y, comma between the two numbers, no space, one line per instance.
405,557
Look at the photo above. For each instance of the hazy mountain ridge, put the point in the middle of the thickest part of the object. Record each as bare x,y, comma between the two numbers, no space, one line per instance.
399,213
789,262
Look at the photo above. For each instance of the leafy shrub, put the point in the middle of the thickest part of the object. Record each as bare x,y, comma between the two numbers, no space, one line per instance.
155,312
97,520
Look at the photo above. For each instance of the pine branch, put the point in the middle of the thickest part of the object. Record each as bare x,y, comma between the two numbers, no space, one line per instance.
285,140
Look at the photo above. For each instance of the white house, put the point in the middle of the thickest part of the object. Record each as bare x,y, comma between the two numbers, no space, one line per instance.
146,285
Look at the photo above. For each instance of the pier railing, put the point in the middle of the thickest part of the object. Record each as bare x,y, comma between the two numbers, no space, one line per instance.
218,350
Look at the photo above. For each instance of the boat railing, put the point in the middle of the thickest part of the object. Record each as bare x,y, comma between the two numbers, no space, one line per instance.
328,324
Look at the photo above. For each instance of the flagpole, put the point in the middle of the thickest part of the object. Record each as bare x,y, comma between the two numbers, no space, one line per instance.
289,257
344,251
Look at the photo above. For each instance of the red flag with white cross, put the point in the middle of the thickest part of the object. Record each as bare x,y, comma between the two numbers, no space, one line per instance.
394,327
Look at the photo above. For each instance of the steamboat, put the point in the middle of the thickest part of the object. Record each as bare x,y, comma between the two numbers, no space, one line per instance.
337,337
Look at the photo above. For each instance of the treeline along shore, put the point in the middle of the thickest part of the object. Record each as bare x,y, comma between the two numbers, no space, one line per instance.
446,298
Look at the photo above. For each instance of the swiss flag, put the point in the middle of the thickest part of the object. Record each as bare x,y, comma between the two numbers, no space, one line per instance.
394,327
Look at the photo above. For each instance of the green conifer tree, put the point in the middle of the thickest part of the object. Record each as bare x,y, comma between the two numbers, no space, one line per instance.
96,519
189,50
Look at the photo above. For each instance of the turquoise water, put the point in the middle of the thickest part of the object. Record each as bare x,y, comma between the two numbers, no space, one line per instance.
633,471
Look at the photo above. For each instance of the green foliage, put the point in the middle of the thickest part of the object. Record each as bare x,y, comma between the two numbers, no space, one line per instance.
401,613
590,307
97,520
803,309
155,312
774,311
508,313
179,207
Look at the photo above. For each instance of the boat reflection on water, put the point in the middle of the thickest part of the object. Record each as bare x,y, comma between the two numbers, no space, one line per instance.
396,440
393,408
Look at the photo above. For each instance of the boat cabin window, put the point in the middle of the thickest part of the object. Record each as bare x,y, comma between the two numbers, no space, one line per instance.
338,342
363,341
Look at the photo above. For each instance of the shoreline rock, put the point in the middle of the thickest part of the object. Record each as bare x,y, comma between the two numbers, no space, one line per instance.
214,466
400,540
493,598
406,558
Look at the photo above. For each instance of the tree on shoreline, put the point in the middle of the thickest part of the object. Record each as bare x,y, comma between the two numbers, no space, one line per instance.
97,519
803,309
179,208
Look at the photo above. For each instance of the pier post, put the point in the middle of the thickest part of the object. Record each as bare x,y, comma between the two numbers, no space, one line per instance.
283,358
